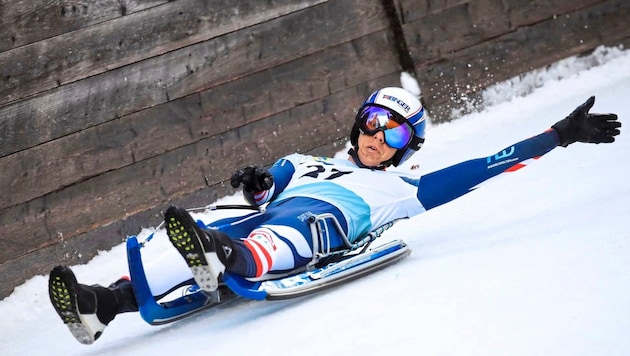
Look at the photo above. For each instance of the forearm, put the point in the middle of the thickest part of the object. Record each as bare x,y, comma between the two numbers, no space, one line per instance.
447,184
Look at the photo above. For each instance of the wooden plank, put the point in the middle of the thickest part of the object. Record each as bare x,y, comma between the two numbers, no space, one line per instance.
119,92
412,10
23,22
434,35
41,66
454,28
528,12
457,82
519,12
84,154
145,134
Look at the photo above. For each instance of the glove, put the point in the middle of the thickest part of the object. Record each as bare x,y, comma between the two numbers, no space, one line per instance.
253,178
584,127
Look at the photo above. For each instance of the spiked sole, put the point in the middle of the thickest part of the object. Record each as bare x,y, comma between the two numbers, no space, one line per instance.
61,289
185,237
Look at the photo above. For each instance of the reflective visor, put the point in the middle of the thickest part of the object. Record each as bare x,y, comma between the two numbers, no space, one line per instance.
398,132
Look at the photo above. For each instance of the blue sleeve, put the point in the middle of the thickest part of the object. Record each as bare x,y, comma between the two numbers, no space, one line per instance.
437,188
282,171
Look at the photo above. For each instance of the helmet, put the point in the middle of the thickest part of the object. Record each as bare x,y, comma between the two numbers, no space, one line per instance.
406,107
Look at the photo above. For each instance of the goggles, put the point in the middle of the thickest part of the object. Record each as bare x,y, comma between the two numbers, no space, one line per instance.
397,131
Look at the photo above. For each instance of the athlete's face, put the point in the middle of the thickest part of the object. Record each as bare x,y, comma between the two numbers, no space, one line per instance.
373,150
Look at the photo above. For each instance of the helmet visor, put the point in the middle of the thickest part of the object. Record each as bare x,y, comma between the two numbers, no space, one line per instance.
397,131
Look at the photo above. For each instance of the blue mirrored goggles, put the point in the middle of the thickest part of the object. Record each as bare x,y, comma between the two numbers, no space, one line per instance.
397,131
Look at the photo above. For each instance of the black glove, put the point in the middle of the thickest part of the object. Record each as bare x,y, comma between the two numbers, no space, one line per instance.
253,178
584,127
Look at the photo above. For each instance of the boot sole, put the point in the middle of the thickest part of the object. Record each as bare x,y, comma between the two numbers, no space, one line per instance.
63,296
185,236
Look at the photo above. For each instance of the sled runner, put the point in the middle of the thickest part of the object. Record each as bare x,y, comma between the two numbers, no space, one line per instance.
326,269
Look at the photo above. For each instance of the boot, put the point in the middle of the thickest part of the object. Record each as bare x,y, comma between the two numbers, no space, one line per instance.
86,310
207,252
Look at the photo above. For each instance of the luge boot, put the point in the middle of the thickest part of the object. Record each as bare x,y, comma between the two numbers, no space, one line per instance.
207,252
87,310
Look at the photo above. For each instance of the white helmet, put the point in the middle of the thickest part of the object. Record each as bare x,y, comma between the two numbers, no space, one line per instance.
399,114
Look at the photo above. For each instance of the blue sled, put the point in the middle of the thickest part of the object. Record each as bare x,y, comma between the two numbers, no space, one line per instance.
161,313
289,286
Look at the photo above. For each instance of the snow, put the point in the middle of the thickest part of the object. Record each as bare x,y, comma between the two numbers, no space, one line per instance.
535,263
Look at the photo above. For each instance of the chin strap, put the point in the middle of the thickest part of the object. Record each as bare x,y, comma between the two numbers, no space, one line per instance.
355,157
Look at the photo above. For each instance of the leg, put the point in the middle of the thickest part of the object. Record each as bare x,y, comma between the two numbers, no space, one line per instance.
206,252
165,269
274,248
87,310
282,242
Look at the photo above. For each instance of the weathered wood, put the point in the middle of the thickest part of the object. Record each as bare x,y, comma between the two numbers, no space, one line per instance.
145,134
37,67
412,10
528,12
454,83
119,92
27,21
518,12
437,35
457,27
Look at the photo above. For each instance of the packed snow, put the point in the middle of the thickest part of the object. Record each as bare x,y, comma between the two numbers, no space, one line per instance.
534,263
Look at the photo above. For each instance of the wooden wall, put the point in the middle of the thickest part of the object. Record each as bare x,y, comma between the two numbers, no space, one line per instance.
111,110
460,47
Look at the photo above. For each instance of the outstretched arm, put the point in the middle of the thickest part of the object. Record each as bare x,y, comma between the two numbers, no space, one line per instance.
442,186
452,182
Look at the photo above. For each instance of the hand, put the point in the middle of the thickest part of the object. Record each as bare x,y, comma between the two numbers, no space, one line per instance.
253,178
584,127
